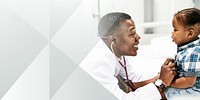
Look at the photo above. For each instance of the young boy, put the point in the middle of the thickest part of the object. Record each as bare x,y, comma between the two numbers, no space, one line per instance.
186,24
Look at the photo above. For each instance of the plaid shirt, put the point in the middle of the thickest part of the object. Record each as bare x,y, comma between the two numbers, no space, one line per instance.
188,59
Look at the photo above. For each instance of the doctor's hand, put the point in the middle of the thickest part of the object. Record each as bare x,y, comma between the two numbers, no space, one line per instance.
167,72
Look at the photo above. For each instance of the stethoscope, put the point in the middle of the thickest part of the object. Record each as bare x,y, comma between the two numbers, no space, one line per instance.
124,66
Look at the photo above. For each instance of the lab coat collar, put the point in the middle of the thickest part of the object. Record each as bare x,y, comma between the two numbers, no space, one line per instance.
117,65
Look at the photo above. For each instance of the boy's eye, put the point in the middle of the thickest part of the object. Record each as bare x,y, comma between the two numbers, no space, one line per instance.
175,29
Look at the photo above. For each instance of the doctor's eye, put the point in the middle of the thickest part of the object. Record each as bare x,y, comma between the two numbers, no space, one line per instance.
133,31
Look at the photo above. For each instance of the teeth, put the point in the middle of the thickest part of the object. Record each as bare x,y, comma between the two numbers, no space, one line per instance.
135,45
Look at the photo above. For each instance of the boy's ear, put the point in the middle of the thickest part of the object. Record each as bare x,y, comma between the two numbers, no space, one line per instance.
191,32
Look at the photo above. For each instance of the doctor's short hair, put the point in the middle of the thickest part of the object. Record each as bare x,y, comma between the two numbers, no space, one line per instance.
109,23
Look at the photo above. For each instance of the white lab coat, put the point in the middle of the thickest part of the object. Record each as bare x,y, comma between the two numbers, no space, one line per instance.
102,65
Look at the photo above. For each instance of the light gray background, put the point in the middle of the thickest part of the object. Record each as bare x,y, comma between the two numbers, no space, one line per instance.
43,42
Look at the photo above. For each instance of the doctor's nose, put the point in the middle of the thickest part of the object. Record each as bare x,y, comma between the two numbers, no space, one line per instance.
137,37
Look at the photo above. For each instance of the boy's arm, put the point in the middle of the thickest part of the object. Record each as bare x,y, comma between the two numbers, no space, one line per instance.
184,82
145,82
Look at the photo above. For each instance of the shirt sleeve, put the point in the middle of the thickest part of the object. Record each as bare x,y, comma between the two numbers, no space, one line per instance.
191,64
147,92
103,75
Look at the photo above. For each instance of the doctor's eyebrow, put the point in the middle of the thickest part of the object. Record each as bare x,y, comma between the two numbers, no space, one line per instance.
132,29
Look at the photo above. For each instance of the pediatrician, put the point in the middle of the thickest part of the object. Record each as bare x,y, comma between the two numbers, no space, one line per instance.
110,58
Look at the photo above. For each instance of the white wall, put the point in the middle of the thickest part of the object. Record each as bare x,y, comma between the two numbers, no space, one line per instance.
164,11
135,8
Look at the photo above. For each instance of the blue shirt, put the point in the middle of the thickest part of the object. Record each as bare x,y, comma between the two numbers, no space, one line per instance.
188,60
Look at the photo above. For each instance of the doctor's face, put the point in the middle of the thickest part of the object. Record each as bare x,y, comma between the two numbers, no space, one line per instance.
126,39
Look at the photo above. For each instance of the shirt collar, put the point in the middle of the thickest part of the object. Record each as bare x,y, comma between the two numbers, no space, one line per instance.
189,45
117,65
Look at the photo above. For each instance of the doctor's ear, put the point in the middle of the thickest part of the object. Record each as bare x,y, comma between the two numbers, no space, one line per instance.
112,38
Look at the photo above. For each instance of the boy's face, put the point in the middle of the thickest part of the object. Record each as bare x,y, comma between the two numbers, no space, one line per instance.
126,39
179,34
